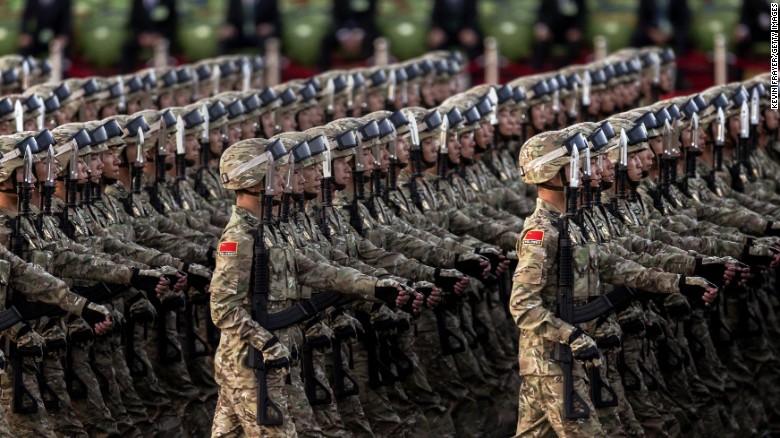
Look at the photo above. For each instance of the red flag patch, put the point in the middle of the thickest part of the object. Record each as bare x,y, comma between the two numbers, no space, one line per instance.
228,248
534,237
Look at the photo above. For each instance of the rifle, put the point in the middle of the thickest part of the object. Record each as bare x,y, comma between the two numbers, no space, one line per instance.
330,90
344,384
327,193
180,164
18,244
391,84
717,149
740,166
586,83
80,140
205,155
573,405
159,168
621,174
442,157
268,412
316,392
415,151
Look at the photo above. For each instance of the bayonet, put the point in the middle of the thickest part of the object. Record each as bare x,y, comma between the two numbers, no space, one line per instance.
246,75
586,81
19,116
330,90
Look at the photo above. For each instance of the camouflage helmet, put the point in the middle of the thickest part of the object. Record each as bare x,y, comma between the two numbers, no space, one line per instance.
344,138
70,133
543,156
152,119
244,164
98,136
12,150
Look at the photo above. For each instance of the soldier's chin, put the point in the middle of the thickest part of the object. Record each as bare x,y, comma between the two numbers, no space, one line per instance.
645,173
339,187
309,196
606,185
190,163
168,166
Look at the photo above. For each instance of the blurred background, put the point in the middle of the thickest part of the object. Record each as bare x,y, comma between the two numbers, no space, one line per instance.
110,36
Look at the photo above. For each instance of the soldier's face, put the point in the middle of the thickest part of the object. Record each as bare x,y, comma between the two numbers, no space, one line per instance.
506,125
31,125
215,139
595,103
429,146
90,111
109,110
657,145
297,183
304,119
733,127
191,148
234,133
170,148
287,121
607,102
368,163
384,160
340,108
182,96
342,172
165,100
595,173
133,106
481,137
39,171
467,146
312,177
82,171
63,117
110,164
414,96
376,101
453,149
646,157
316,116
539,116
247,129
608,171
279,181
426,92
5,128
402,150
634,167
269,126
95,168
514,115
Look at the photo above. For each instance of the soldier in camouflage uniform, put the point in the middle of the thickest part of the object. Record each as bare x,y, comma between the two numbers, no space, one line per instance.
243,167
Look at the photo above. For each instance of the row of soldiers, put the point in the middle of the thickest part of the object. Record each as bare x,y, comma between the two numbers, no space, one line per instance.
426,213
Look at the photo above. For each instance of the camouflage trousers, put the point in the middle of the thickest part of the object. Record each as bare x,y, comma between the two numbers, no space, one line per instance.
236,411
349,407
175,379
540,411
444,378
35,424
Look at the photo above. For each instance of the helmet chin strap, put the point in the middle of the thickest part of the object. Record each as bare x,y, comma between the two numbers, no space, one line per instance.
564,182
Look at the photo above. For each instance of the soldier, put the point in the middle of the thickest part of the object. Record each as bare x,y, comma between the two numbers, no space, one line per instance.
244,168
544,162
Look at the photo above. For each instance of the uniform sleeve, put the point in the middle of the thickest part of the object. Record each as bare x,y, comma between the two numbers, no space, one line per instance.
230,288
323,276
533,276
40,286
618,271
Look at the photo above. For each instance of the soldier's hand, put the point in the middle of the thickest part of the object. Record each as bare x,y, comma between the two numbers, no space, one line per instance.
148,280
97,316
713,270
390,292
698,289
434,298
276,354
198,276
583,348
473,265
451,280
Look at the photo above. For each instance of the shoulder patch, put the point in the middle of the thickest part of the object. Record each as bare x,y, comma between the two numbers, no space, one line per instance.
228,248
533,237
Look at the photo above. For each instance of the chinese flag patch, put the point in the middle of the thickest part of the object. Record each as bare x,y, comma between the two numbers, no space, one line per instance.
228,248
534,237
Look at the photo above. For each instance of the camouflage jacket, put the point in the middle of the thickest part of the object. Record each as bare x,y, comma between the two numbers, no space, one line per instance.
534,300
231,288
